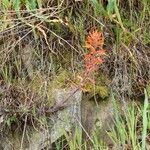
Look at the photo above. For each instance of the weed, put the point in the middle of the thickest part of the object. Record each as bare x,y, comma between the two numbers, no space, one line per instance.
131,127
39,39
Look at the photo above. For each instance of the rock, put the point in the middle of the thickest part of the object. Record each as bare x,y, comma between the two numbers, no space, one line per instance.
26,56
105,120
62,121
39,140
97,117
76,109
68,117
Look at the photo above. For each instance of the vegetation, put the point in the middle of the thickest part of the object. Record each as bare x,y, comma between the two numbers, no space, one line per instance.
47,44
131,131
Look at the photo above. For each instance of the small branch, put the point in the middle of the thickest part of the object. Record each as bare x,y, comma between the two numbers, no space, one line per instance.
24,129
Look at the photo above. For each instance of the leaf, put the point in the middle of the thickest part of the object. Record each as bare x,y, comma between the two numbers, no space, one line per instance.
39,2
6,4
145,121
111,6
31,4
97,5
16,6
148,90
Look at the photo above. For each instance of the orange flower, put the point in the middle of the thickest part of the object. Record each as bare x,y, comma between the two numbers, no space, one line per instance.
94,43
95,39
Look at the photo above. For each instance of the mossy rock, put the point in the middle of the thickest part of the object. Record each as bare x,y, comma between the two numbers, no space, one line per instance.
100,87
101,91
61,80
65,79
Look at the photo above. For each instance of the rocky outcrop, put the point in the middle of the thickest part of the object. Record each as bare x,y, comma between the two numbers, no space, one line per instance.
63,120
71,109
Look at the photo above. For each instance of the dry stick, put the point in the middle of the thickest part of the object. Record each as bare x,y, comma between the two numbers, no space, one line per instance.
84,130
25,124
20,40
60,38
24,129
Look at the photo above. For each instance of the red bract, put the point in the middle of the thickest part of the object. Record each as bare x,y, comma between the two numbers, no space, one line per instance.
94,44
95,39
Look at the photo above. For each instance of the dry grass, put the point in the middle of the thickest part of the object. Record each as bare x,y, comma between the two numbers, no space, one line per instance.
40,39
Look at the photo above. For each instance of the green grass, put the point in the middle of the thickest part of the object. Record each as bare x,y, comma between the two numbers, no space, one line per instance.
131,127
39,40
131,130
145,121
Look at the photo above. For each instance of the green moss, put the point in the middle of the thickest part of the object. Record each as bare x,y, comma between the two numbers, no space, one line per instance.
64,79
101,91
99,88
61,80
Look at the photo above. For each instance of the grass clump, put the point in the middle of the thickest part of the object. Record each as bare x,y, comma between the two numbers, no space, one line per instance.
42,47
131,130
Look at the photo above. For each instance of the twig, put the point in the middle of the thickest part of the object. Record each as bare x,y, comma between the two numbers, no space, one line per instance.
25,124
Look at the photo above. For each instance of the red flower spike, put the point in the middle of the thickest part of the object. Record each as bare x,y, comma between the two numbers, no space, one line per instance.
94,43
95,39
